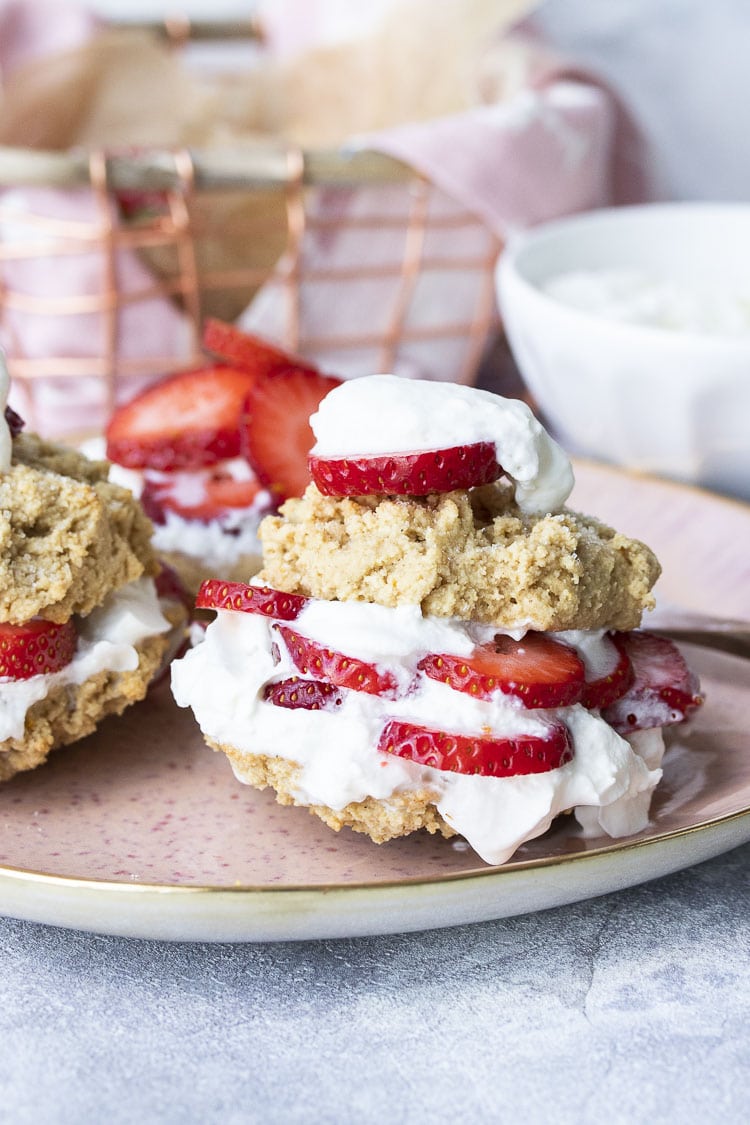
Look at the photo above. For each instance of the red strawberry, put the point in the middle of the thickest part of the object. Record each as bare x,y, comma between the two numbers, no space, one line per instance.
185,421
211,494
310,695
664,690
334,667
170,587
407,474
14,422
216,594
608,688
277,437
35,648
540,671
490,757
249,352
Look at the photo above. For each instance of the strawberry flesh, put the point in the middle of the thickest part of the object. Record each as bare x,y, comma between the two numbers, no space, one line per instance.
276,434
663,691
467,754
607,689
216,594
539,671
210,494
308,695
185,421
249,352
35,648
407,474
312,659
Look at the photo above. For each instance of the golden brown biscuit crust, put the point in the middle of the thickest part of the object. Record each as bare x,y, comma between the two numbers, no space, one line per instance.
469,555
400,815
68,536
72,711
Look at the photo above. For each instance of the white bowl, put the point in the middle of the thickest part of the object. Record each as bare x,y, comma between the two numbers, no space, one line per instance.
672,402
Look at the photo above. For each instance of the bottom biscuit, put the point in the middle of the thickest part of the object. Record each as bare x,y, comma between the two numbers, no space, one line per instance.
399,815
72,711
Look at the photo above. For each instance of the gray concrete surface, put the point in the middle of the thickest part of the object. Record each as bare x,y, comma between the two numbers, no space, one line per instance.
634,1007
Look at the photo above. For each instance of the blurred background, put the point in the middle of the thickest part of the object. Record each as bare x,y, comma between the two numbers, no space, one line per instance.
309,171
681,66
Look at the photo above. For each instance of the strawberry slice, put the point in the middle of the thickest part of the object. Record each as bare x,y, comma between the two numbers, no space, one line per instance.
170,587
204,496
468,754
608,688
312,659
407,474
276,437
249,352
14,422
35,648
309,695
538,670
663,691
216,594
185,421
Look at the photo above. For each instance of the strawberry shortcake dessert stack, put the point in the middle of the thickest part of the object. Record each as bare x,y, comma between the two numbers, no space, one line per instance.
211,451
435,640
87,616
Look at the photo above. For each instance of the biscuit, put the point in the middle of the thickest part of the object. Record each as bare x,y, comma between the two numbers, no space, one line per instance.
400,815
471,555
71,711
68,536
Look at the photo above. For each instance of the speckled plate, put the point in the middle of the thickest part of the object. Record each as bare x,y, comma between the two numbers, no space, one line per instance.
142,831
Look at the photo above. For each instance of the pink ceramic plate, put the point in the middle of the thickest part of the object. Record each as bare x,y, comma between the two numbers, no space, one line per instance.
140,830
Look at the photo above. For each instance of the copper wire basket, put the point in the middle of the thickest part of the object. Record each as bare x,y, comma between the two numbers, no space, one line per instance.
191,282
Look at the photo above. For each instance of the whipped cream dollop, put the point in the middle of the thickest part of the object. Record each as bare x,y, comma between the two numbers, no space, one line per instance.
637,297
223,678
6,442
384,414
106,643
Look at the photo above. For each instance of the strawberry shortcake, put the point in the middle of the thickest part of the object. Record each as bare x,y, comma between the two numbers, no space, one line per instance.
86,616
435,640
210,452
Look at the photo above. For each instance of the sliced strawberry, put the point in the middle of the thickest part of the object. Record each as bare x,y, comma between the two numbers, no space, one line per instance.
276,436
35,648
309,695
407,474
242,349
538,670
490,757
608,688
335,668
14,422
170,587
664,690
216,594
185,421
207,496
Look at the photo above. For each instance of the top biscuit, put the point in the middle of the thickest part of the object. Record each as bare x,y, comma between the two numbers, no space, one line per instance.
472,555
68,536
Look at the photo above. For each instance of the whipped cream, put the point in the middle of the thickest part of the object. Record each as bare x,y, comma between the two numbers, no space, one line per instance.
106,643
383,414
6,442
223,678
640,298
